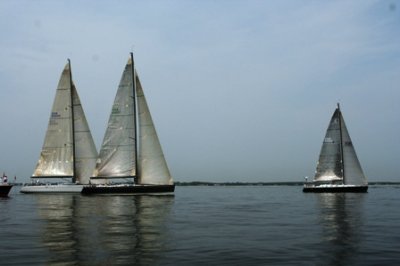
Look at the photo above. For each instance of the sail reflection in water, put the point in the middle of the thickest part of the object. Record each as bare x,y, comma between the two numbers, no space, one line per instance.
104,230
341,218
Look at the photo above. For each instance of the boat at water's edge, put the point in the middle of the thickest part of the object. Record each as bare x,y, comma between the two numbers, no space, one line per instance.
5,189
131,149
68,151
338,167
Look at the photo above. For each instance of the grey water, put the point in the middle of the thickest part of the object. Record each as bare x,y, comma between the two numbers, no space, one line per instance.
203,225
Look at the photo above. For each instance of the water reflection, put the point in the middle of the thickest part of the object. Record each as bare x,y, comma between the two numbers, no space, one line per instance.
104,230
341,218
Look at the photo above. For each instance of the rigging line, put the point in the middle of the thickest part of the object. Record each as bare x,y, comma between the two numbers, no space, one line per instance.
134,115
341,142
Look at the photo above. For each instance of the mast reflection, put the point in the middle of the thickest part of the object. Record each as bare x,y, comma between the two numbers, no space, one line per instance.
105,230
59,229
341,217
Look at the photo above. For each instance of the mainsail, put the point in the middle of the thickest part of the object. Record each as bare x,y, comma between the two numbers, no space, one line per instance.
118,157
68,150
117,153
329,166
338,160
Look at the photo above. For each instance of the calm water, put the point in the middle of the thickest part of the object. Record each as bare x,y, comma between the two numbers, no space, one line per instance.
269,225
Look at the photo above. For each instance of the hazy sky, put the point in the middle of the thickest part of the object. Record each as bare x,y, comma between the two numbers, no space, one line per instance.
238,90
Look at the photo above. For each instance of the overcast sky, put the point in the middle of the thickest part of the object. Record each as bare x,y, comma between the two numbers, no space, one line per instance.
238,90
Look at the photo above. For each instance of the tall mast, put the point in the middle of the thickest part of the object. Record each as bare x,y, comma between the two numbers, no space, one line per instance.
73,122
341,141
134,118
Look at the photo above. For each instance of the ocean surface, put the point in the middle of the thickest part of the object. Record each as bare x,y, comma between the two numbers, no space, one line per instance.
203,225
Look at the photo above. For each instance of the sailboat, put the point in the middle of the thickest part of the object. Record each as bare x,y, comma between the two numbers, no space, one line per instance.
338,168
5,187
68,151
131,149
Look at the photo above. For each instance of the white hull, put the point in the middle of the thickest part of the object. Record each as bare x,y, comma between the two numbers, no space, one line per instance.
59,188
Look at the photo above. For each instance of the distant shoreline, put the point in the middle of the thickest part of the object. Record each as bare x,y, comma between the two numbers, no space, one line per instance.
202,183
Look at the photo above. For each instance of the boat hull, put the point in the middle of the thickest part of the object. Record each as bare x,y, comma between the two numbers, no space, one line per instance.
335,188
4,190
59,188
129,189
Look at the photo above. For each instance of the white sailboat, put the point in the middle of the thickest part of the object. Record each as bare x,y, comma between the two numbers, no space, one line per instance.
131,149
68,151
338,168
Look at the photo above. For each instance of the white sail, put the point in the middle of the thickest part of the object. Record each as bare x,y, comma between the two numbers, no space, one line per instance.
85,149
353,173
329,166
117,153
153,168
56,157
